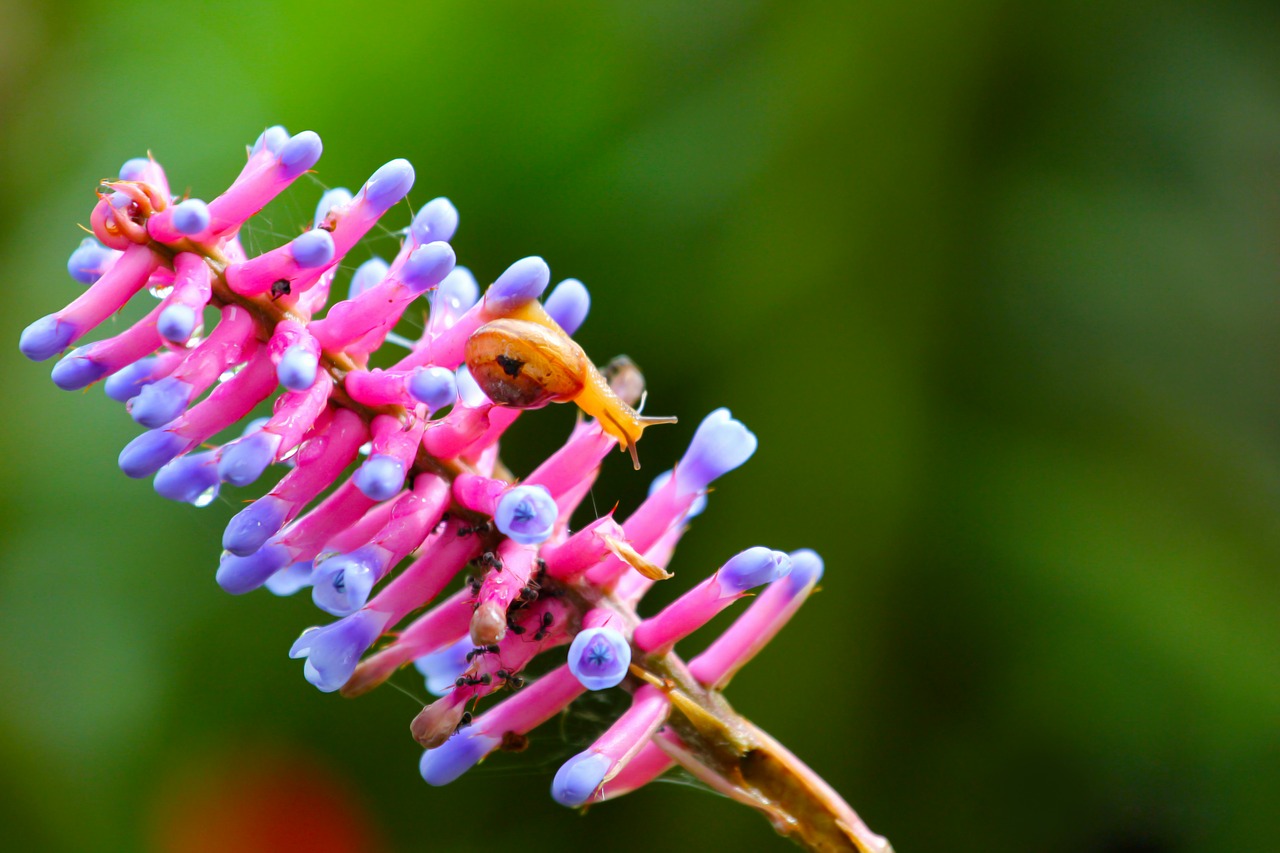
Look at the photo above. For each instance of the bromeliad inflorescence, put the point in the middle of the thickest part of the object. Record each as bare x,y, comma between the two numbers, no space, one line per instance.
426,485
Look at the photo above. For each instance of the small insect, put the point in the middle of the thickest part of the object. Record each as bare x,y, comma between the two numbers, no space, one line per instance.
464,721
491,649
526,361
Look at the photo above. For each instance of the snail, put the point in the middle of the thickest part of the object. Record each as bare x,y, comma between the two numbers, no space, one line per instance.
528,363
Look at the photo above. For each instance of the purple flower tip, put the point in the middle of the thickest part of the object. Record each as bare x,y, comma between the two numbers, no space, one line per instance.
806,568
695,509
380,477
297,368
599,658
442,667
333,651
242,461
427,266
434,387
719,445
45,338
191,217
76,370
527,514
290,579
367,275
125,384
300,153
341,584
135,169
238,575
312,249
144,456
524,280
458,292
176,323
388,185
252,526
160,402
190,479
568,304
751,568
336,197
437,220
456,756
579,777
272,139
90,260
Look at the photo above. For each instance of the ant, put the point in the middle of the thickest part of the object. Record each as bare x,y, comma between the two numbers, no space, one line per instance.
515,682
473,680
547,620
490,559
474,583
491,649
464,722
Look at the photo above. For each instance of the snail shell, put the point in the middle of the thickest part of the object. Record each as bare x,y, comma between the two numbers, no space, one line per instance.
526,365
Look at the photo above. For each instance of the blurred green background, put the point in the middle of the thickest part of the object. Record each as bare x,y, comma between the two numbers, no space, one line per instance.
994,284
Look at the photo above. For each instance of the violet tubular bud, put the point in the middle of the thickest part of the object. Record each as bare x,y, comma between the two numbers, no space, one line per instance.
600,655
526,514
332,652
90,261
568,304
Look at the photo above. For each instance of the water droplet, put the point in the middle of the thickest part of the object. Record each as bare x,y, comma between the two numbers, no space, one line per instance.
206,497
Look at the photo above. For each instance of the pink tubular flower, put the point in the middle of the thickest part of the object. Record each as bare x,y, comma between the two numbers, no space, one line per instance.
395,486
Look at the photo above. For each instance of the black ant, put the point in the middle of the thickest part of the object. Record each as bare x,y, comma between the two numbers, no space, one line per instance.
547,620
490,559
473,680
513,681
474,583
280,288
465,721
491,649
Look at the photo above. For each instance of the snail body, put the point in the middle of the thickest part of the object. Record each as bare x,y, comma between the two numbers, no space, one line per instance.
527,361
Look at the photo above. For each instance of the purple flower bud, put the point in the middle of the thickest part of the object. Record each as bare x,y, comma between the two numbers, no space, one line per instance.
312,249
388,185
176,323
190,479
144,456
469,392
458,292
76,370
135,169
380,477
437,220
599,658
191,217
806,568
252,526
90,260
442,667
568,304
527,514
579,778
367,275
695,509
243,460
45,338
297,368
427,266
290,579
125,384
719,445
272,139
300,153
238,575
160,402
336,197
333,651
523,281
456,756
751,568
434,387
342,583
